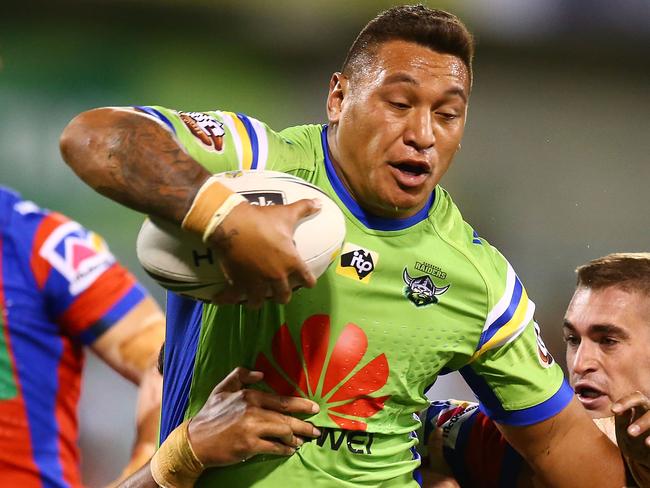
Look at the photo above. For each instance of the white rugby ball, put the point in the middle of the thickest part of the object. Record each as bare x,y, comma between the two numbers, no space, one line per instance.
180,262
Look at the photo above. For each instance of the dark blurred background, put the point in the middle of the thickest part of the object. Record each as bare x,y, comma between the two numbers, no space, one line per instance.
553,170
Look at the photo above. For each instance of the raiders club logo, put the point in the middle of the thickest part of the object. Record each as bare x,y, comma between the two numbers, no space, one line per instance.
421,290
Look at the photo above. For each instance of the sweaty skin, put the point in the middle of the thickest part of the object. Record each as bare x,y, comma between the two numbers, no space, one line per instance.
396,126
607,335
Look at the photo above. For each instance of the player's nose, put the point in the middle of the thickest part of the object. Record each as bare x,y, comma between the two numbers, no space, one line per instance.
419,132
584,360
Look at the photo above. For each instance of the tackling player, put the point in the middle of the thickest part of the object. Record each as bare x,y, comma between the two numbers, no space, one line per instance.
60,290
416,291
607,332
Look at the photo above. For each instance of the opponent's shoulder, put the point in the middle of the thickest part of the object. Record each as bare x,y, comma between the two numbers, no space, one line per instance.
23,221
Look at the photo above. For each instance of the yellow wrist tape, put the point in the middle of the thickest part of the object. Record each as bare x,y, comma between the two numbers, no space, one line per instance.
207,203
175,464
222,212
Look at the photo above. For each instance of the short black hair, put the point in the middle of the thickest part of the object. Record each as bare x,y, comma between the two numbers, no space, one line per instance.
438,30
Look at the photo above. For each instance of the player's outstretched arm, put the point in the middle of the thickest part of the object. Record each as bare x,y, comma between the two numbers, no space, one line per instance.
131,348
568,450
130,158
234,424
633,434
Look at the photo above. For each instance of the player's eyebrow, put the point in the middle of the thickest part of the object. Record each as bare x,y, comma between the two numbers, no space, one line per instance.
606,329
400,78
396,78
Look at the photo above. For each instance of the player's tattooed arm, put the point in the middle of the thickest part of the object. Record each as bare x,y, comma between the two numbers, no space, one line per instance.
131,159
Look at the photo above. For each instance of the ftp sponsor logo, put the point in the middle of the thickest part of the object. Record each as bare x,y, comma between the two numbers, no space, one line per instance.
356,442
357,263
265,198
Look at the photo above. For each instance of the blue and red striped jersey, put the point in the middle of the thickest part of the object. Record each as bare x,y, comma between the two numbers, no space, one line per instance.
60,289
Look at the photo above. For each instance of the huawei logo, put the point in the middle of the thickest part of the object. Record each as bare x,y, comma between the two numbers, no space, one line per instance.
341,379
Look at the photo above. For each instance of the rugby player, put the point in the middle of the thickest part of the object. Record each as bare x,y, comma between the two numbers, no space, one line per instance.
416,291
61,289
607,332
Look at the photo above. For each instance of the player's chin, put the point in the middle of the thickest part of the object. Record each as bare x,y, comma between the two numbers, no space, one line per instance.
409,201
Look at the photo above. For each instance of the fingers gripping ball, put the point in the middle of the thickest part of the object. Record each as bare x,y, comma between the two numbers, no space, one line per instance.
179,260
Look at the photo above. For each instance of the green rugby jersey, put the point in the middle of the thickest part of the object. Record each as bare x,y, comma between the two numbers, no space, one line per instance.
407,300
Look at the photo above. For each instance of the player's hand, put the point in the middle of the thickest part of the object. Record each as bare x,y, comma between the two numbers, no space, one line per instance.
237,423
633,432
435,471
259,255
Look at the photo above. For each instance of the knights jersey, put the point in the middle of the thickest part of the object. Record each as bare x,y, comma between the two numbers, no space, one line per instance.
406,300
60,289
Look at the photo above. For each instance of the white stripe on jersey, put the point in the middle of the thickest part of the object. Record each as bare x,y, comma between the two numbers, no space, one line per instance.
262,143
232,129
505,300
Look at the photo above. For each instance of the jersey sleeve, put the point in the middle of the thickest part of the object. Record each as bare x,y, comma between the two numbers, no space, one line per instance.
472,446
85,290
511,371
227,141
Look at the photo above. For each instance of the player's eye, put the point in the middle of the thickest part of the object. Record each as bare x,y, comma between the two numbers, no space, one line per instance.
608,341
447,115
399,105
571,340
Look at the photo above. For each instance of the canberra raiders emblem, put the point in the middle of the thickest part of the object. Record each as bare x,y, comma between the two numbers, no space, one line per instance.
421,290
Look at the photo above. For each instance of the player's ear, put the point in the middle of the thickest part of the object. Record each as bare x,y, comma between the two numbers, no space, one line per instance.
337,91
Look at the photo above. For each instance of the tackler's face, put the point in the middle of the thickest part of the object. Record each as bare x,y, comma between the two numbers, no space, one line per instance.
396,124
607,336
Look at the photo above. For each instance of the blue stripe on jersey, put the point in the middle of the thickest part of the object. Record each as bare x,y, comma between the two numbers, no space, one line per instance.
157,114
534,414
456,457
31,363
417,475
253,138
491,406
134,296
183,328
369,220
475,239
505,316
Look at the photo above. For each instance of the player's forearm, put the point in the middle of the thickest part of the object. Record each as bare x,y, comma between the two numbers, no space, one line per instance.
132,160
568,450
140,479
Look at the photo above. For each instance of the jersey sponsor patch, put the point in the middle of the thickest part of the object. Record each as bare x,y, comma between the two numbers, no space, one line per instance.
421,290
342,381
205,128
357,263
543,355
356,442
79,255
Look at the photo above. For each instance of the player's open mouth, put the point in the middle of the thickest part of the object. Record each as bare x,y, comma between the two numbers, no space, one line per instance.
590,396
410,173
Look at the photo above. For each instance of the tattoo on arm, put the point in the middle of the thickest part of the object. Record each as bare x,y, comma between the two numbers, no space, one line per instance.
132,160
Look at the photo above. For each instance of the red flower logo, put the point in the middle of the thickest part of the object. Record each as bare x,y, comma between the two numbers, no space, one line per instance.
339,383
